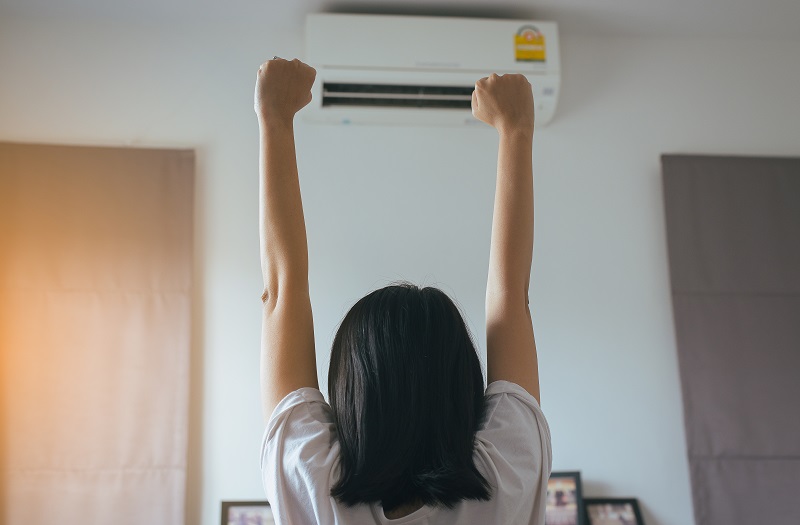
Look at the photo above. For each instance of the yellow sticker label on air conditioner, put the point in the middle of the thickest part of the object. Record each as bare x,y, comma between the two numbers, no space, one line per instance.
529,45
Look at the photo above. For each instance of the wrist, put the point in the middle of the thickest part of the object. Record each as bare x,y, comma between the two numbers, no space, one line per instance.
273,122
516,132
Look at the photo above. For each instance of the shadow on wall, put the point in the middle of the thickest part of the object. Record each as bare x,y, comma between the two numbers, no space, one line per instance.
430,9
194,455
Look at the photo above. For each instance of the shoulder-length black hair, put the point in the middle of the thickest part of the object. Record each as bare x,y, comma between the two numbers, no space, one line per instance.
407,394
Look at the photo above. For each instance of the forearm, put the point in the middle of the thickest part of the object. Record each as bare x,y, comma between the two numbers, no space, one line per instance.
284,249
512,223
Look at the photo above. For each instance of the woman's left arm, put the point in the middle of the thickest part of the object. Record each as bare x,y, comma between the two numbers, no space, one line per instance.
288,359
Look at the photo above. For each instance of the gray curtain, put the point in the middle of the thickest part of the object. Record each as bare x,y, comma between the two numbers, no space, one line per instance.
733,233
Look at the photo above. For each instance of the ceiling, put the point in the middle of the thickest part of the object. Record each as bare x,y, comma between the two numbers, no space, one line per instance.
734,19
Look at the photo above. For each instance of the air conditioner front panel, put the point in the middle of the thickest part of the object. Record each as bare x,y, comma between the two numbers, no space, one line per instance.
419,70
438,43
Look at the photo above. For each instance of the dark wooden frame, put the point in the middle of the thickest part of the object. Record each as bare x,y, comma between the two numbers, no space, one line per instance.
226,505
633,502
576,475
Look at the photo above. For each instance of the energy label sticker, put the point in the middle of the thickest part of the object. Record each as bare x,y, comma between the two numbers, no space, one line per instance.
529,45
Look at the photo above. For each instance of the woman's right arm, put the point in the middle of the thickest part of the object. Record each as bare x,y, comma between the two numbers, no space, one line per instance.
506,103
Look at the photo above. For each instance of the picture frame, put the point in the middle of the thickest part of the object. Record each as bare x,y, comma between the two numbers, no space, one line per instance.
613,511
564,504
246,513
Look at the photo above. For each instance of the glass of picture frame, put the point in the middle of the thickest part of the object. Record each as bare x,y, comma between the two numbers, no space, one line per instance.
564,504
246,513
612,511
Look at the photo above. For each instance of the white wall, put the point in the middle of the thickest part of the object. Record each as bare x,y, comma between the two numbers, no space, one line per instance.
386,203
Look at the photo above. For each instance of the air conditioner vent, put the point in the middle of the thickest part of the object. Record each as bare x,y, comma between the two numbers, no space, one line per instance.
395,95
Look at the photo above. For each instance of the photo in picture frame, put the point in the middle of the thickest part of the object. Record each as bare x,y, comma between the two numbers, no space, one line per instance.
246,513
613,511
564,504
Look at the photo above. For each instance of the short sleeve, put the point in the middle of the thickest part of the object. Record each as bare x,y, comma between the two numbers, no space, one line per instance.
514,445
298,455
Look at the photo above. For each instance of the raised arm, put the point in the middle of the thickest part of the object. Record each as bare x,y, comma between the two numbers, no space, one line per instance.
288,359
506,103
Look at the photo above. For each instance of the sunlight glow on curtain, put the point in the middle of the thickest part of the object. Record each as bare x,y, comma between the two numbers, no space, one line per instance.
95,297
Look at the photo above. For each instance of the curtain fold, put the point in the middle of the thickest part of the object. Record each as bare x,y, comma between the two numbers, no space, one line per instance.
733,233
95,301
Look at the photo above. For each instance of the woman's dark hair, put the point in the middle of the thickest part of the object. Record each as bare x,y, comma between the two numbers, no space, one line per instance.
407,394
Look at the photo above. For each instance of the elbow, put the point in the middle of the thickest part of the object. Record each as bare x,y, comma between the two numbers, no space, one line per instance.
268,296
500,304
278,289
507,294
271,287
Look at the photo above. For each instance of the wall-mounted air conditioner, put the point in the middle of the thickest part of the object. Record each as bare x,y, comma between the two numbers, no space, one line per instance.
422,70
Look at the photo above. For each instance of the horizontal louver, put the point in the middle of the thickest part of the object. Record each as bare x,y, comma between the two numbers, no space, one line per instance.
382,95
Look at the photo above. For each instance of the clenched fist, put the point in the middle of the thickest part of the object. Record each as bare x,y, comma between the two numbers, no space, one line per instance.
505,102
283,87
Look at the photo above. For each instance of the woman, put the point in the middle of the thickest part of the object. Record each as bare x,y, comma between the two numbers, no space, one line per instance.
410,436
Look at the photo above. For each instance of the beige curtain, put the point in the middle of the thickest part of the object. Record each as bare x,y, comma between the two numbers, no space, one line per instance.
95,291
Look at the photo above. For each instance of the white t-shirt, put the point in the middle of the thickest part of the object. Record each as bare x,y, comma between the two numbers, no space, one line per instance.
300,451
